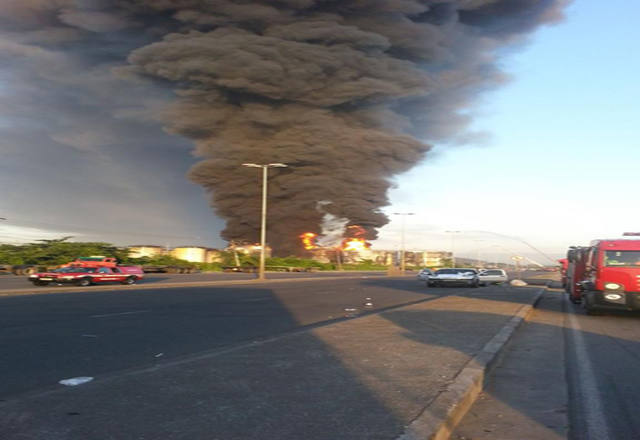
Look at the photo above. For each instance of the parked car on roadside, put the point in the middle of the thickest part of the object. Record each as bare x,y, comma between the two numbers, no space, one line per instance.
455,276
493,276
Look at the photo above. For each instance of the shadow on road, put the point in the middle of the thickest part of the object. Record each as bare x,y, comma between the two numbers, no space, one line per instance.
233,363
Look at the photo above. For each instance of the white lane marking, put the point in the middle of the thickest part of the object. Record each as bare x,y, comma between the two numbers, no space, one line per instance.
75,381
120,314
590,399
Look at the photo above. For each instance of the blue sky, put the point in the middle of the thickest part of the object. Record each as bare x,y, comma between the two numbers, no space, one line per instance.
561,163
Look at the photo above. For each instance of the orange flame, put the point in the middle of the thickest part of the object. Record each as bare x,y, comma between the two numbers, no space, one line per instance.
355,244
309,240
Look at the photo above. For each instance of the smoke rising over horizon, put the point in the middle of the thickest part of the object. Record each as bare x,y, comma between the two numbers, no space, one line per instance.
347,93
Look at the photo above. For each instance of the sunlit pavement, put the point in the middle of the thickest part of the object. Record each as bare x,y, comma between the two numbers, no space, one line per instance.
280,361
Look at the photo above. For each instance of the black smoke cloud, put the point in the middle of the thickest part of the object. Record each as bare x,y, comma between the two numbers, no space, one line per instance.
348,93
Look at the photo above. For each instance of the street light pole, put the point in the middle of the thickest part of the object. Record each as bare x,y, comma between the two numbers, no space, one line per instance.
402,249
453,246
263,217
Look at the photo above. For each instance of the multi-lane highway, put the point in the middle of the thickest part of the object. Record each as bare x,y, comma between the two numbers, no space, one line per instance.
236,353
84,332
355,358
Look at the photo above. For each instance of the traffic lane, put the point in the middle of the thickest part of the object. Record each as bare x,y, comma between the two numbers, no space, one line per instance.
502,292
11,282
359,379
602,369
47,338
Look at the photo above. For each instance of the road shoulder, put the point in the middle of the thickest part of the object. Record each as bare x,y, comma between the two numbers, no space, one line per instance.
526,395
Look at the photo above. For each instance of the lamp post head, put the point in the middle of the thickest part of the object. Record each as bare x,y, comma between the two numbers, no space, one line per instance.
268,165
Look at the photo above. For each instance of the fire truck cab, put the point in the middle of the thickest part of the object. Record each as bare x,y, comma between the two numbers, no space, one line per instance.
610,276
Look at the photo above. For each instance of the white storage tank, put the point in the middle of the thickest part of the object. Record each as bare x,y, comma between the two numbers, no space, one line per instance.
193,254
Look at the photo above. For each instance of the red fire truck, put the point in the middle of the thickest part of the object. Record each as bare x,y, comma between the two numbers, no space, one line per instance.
93,261
605,275
576,266
564,265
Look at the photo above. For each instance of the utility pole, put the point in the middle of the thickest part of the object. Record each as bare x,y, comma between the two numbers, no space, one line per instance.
263,217
402,247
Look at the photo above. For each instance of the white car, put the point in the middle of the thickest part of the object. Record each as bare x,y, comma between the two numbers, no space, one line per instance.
424,274
492,276
461,276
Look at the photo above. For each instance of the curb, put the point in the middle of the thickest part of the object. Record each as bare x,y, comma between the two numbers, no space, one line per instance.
73,289
438,420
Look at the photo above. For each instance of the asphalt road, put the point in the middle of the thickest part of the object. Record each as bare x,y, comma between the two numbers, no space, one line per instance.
603,361
265,360
10,282
565,375
46,338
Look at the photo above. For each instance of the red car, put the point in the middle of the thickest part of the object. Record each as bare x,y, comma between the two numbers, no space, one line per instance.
84,276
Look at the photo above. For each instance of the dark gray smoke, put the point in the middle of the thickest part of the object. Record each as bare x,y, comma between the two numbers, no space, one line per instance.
346,92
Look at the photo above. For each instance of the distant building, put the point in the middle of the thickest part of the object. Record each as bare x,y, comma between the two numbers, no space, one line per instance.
432,258
143,250
383,257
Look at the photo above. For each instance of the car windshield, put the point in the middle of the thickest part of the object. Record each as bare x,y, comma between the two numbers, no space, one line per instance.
454,271
622,259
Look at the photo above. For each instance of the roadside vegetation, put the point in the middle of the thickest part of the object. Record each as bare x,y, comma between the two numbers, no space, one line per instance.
61,251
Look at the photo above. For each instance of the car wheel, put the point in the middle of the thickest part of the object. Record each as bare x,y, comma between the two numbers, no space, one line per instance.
129,280
83,282
41,283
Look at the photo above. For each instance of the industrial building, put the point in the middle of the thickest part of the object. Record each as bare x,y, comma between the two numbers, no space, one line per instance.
382,257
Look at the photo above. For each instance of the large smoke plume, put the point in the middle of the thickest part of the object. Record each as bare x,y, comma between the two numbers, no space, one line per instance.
346,92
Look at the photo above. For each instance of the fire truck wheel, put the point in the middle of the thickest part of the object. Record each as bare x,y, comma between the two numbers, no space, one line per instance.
129,280
588,307
83,282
